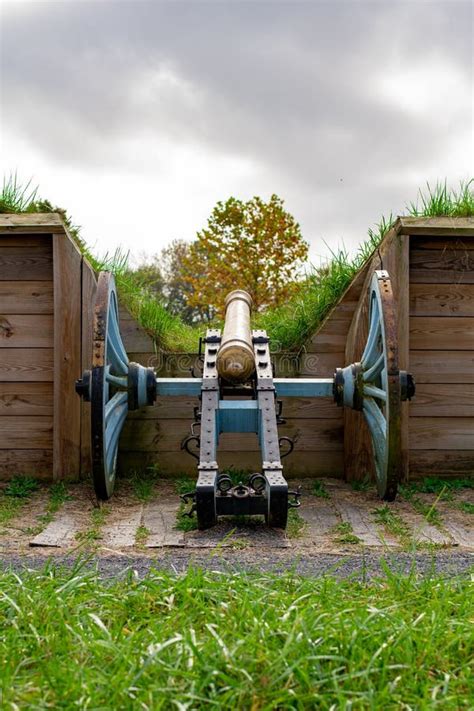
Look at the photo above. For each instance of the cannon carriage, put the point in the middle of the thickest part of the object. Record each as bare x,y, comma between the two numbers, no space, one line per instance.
239,393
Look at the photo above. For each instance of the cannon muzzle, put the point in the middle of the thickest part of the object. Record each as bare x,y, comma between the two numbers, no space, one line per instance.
236,359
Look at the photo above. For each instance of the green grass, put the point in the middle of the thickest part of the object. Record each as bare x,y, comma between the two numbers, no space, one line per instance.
205,640
466,507
143,483
443,487
21,487
345,534
141,536
362,485
318,489
296,525
289,326
58,495
429,511
393,524
93,533
14,496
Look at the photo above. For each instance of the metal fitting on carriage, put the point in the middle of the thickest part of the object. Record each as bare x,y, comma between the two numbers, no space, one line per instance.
348,386
407,386
83,386
141,386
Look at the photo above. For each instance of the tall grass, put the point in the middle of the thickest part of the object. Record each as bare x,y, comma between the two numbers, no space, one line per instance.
290,325
205,640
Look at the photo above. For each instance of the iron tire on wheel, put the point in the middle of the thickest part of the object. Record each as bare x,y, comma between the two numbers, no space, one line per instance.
108,391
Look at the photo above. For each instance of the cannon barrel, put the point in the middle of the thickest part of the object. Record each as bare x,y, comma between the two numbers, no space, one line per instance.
236,359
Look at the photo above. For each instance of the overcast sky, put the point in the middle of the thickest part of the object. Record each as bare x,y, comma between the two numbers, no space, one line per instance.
139,116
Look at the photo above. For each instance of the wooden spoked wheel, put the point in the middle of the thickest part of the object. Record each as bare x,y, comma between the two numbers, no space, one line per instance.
108,387
379,385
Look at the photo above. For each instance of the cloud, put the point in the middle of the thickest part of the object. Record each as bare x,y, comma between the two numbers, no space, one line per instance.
340,107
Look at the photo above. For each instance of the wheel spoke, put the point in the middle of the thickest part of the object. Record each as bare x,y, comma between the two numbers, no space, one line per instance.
115,380
372,347
377,427
373,391
375,369
116,401
114,422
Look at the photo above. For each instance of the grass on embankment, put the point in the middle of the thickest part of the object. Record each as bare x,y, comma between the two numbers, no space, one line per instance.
288,326
210,640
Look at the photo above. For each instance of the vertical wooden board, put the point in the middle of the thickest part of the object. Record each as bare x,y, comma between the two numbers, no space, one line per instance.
89,288
67,262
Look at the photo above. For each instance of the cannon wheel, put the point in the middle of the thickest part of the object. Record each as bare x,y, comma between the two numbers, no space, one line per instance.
108,390
380,385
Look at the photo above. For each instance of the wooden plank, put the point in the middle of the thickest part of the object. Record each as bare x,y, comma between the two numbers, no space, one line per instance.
442,433
450,242
26,331
442,366
17,399
33,462
23,240
89,288
20,364
435,333
25,263
167,435
160,520
421,531
435,226
26,297
135,338
442,463
33,222
330,339
321,365
26,433
441,266
439,300
177,463
67,356
443,400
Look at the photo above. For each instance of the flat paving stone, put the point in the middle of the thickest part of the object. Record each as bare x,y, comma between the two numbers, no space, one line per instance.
226,535
121,533
363,526
422,531
160,520
320,516
61,531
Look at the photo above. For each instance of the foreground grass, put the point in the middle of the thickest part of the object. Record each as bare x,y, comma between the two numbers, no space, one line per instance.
208,640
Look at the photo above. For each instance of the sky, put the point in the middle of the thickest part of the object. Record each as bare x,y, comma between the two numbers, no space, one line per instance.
139,116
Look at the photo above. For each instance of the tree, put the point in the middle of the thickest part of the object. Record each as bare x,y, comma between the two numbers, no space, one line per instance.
254,245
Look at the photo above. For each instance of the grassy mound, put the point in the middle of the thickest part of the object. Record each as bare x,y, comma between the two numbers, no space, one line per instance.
289,326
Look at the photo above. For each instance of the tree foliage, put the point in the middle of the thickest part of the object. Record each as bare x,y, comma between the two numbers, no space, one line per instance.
253,245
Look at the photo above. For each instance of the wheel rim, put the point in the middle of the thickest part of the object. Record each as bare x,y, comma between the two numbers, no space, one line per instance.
109,399
381,385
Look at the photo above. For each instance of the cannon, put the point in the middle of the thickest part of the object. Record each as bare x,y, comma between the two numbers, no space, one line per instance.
239,393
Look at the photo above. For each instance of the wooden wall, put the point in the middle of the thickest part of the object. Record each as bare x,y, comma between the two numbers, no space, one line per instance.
442,354
26,354
41,322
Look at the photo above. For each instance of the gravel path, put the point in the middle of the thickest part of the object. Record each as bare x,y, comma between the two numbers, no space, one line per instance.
363,566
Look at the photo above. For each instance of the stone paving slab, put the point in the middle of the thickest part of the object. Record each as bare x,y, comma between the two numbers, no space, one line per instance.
61,532
160,520
121,533
362,523
226,535
320,516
